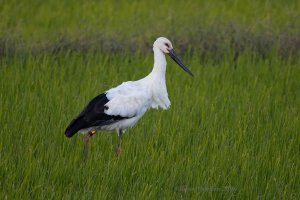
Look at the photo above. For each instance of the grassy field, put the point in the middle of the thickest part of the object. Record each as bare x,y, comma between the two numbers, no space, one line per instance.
209,27
232,132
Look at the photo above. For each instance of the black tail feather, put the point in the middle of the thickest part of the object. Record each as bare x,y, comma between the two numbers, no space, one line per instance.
75,126
93,115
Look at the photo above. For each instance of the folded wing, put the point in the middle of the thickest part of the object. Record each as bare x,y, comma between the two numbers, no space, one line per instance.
92,115
126,101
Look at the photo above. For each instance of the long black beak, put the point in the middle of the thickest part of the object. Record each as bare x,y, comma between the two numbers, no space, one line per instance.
174,56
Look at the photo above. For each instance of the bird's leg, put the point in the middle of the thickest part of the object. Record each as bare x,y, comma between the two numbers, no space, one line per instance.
86,139
120,132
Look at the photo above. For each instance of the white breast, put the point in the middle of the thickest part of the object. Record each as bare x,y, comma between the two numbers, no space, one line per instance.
128,100
132,99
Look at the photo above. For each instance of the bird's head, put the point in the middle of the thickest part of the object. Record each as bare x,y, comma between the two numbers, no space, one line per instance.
166,47
163,44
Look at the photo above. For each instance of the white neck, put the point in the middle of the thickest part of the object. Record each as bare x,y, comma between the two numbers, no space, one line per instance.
159,68
157,80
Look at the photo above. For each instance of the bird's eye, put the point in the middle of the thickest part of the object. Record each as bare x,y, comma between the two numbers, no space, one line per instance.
167,45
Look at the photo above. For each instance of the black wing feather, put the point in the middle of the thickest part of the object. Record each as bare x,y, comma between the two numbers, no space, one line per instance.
92,115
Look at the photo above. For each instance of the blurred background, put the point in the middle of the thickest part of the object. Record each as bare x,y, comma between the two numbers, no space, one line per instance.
212,28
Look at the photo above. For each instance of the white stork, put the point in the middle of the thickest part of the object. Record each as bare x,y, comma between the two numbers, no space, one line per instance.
121,107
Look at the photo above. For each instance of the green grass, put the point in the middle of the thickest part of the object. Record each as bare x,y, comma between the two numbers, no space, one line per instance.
138,17
231,131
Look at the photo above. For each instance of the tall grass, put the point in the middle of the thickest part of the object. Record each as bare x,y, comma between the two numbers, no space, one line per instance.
232,131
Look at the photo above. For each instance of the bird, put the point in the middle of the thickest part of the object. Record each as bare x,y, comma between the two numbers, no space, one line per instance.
120,107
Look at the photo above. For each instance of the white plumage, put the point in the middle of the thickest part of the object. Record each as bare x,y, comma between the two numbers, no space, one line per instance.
121,107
